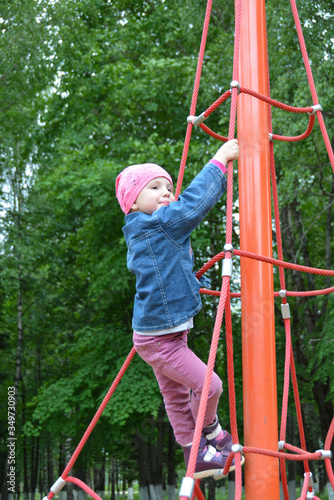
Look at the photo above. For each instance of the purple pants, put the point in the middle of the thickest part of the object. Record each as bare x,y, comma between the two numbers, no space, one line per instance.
178,370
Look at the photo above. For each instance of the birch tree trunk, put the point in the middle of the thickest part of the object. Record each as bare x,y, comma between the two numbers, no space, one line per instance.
19,345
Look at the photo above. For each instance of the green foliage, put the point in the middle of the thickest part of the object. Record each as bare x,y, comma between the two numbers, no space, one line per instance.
88,88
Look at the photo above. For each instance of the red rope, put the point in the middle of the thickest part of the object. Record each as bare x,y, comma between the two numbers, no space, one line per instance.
305,486
269,260
287,265
232,399
282,456
99,412
273,102
286,382
311,81
268,100
217,103
207,381
298,406
83,486
289,363
225,284
194,97
212,133
309,293
198,491
96,418
328,443
297,137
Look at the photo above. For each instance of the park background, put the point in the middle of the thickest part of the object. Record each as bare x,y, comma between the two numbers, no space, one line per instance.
86,88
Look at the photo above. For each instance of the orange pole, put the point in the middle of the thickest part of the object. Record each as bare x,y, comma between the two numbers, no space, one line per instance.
257,303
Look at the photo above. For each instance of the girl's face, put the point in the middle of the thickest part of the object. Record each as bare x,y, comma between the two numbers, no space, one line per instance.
156,194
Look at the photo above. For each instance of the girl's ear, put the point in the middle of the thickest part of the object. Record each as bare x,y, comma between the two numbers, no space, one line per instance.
134,207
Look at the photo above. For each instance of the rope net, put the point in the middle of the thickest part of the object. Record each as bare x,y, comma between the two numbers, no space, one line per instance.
297,454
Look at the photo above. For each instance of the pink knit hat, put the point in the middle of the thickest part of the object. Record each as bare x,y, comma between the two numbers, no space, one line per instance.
133,179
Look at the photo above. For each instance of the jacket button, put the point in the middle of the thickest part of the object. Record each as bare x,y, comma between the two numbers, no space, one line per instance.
159,343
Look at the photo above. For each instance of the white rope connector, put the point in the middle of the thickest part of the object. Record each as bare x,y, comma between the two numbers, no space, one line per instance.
285,309
228,247
227,267
187,487
310,479
310,494
316,108
281,445
237,448
199,119
58,485
235,84
218,475
196,120
227,263
325,454
282,293
271,137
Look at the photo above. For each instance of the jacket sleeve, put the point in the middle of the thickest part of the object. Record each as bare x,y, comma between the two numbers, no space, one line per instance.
181,217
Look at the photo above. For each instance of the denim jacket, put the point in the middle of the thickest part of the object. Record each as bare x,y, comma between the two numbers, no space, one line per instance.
160,254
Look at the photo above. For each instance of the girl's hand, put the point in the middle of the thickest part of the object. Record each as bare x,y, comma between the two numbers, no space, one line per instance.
229,151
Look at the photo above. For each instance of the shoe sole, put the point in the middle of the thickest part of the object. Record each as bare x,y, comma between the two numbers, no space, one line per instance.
220,474
216,473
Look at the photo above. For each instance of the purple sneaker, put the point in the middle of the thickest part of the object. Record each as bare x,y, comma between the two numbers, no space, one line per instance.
209,461
222,441
217,437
